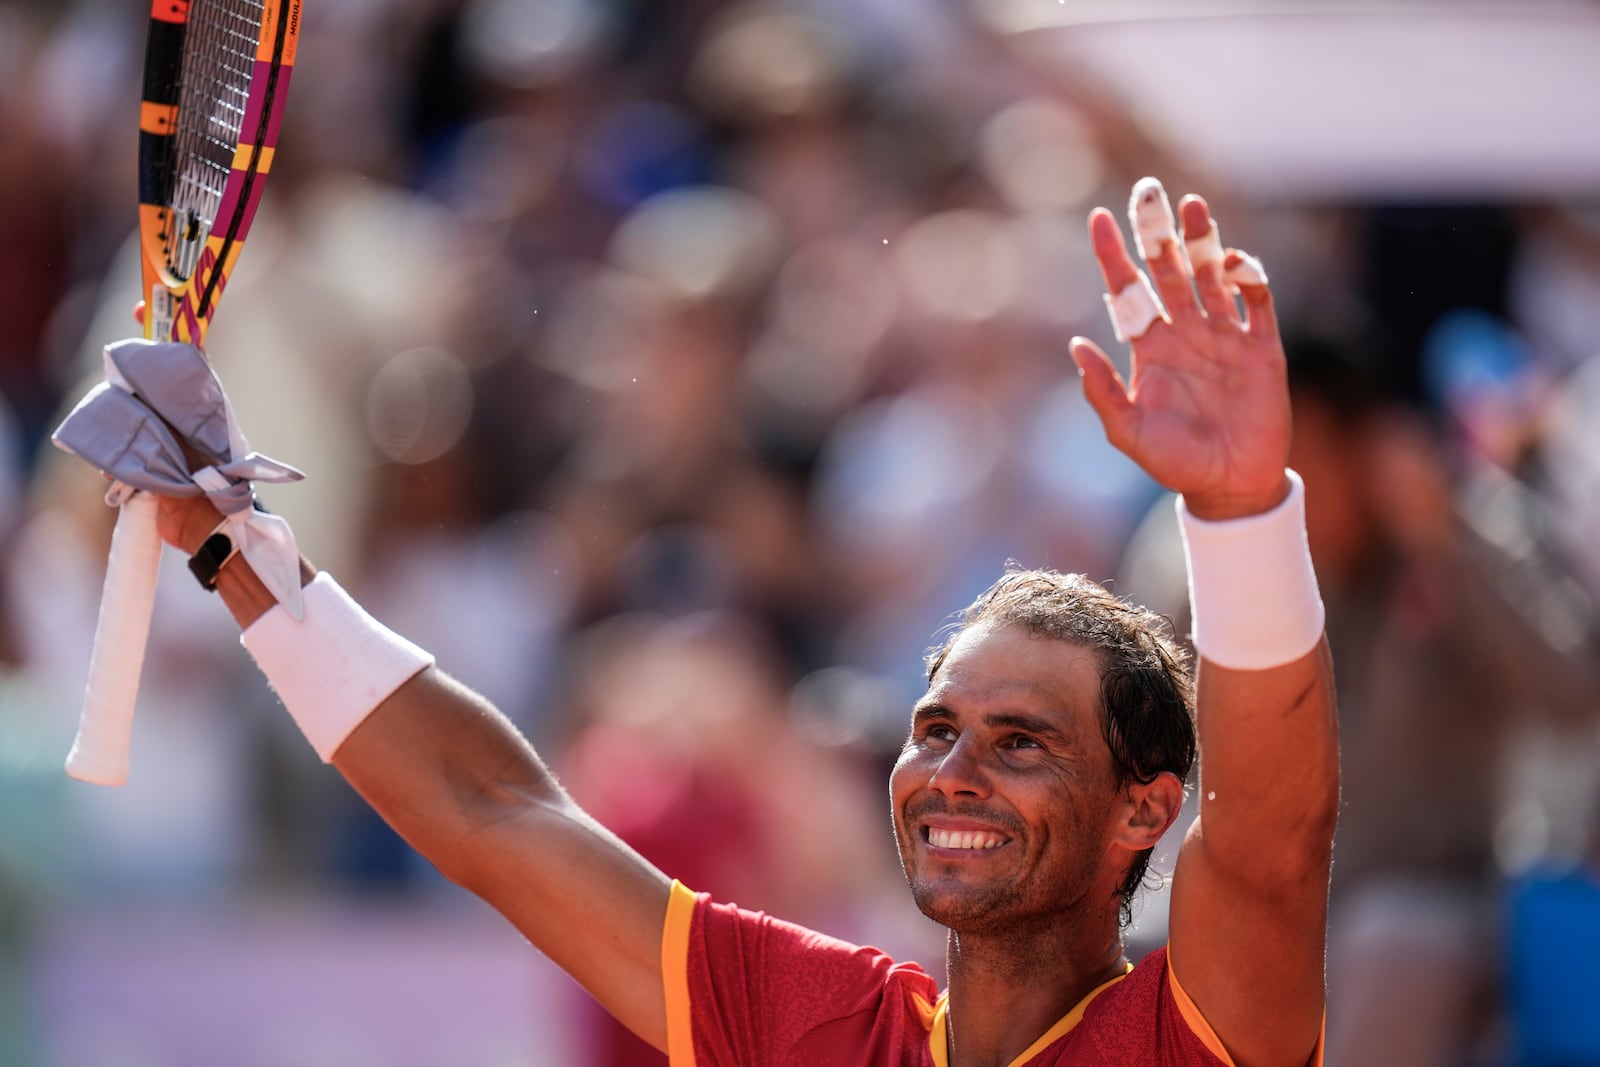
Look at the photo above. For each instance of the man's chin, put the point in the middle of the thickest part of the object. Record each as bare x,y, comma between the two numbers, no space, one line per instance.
954,905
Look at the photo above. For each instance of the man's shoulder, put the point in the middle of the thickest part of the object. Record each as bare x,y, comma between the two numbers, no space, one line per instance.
796,960
761,989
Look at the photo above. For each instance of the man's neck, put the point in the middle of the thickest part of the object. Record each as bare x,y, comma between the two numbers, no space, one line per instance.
1007,989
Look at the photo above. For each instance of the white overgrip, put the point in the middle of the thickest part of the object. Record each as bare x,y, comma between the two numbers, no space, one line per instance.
105,727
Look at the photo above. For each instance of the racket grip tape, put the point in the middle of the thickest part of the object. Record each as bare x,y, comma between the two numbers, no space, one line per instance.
100,751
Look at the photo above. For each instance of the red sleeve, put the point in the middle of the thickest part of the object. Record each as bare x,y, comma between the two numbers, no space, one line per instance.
745,989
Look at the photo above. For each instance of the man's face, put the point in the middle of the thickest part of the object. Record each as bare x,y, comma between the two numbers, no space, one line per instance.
1003,795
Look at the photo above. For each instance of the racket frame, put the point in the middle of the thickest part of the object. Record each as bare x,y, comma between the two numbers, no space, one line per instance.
176,309
180,308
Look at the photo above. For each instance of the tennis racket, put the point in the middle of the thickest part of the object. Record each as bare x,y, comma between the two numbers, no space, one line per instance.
216,75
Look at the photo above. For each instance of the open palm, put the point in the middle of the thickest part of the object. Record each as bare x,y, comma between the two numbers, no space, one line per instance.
1206,409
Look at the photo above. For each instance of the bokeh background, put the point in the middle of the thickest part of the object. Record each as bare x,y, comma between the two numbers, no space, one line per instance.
674,368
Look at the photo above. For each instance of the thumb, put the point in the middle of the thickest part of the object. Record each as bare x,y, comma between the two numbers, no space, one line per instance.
1104,389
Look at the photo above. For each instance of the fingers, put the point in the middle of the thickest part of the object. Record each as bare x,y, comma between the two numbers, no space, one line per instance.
1195,281
1116,266
1245,272
1104,389
1203,243
1151,215
1133,304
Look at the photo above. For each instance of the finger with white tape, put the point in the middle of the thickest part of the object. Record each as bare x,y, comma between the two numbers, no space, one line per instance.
1205,249
1151,215
1246,270
1134,309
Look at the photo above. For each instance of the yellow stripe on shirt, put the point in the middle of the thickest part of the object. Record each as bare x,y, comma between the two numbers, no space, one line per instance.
938,1039
1208,1037
675,975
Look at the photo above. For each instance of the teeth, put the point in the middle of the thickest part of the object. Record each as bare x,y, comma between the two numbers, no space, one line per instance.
969,839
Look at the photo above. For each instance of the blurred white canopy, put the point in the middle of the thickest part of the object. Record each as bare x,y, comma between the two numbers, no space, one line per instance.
1345,99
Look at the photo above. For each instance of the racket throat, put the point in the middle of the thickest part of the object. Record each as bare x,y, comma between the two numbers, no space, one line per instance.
160,310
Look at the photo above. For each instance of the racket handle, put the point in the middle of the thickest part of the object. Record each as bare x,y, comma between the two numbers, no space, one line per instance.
100,751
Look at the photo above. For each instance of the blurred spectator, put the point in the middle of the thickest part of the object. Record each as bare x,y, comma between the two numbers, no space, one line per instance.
726,340
684,749
1446,657
1451,651
1552,920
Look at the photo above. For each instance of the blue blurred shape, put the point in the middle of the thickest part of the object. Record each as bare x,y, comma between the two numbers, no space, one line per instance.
1553,986
1470,353
640,149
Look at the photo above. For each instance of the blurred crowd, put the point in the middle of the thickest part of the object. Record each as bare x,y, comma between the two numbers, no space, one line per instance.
672,371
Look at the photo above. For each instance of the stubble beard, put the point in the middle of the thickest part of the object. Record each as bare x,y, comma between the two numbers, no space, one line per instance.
967,907
996,905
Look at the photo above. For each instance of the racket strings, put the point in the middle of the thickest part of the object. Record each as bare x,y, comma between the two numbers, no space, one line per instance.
214,87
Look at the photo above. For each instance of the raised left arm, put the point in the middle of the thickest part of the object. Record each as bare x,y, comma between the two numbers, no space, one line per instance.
1206,413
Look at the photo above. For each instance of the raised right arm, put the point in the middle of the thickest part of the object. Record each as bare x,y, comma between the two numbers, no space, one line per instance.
455,778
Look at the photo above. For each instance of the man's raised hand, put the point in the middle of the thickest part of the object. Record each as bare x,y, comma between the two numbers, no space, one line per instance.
1206,409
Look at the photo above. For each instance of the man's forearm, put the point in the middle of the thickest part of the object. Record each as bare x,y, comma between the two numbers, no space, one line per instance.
458,782
1268,732
431,757
1269,768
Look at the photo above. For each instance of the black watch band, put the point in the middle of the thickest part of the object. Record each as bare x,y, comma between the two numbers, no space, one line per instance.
206,563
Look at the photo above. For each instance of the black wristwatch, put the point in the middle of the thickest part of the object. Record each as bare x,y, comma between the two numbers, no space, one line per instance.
207,561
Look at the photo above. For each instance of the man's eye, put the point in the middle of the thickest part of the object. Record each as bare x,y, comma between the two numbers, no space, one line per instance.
1024,741
941,733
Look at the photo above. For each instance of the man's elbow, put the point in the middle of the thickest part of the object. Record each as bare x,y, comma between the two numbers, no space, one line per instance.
491,829
1287,846
1300,850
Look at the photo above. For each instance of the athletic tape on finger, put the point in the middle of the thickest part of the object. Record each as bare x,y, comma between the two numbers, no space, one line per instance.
1248,271
1205,249
1134,309
1151,216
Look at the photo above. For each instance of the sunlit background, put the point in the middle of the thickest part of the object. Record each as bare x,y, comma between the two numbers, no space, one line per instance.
673,368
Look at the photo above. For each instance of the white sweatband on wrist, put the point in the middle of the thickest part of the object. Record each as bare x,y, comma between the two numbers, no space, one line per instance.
1205,249
1151,215
332,668
1134,310
1253,594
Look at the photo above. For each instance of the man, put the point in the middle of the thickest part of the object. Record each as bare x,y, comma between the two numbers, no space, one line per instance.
1043,764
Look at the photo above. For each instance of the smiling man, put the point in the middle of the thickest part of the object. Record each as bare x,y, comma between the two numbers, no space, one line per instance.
1045,761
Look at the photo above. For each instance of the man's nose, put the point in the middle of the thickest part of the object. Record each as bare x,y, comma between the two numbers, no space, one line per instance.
962,772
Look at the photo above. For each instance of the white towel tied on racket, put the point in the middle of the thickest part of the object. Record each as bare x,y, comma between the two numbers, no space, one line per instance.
124,427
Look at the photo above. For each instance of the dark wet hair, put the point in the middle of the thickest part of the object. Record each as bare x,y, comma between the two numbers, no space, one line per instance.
1146,683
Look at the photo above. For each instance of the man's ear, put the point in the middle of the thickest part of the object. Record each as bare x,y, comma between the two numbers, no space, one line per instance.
1148,809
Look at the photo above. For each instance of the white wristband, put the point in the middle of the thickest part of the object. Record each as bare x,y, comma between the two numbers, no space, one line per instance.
333,667
1252,591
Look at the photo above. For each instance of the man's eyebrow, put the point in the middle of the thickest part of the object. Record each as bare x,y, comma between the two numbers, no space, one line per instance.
1003,720
1012,720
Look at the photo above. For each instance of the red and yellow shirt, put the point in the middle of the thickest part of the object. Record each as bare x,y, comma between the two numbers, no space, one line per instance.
745,990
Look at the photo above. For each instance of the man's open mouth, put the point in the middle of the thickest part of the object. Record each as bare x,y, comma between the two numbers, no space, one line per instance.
970,839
